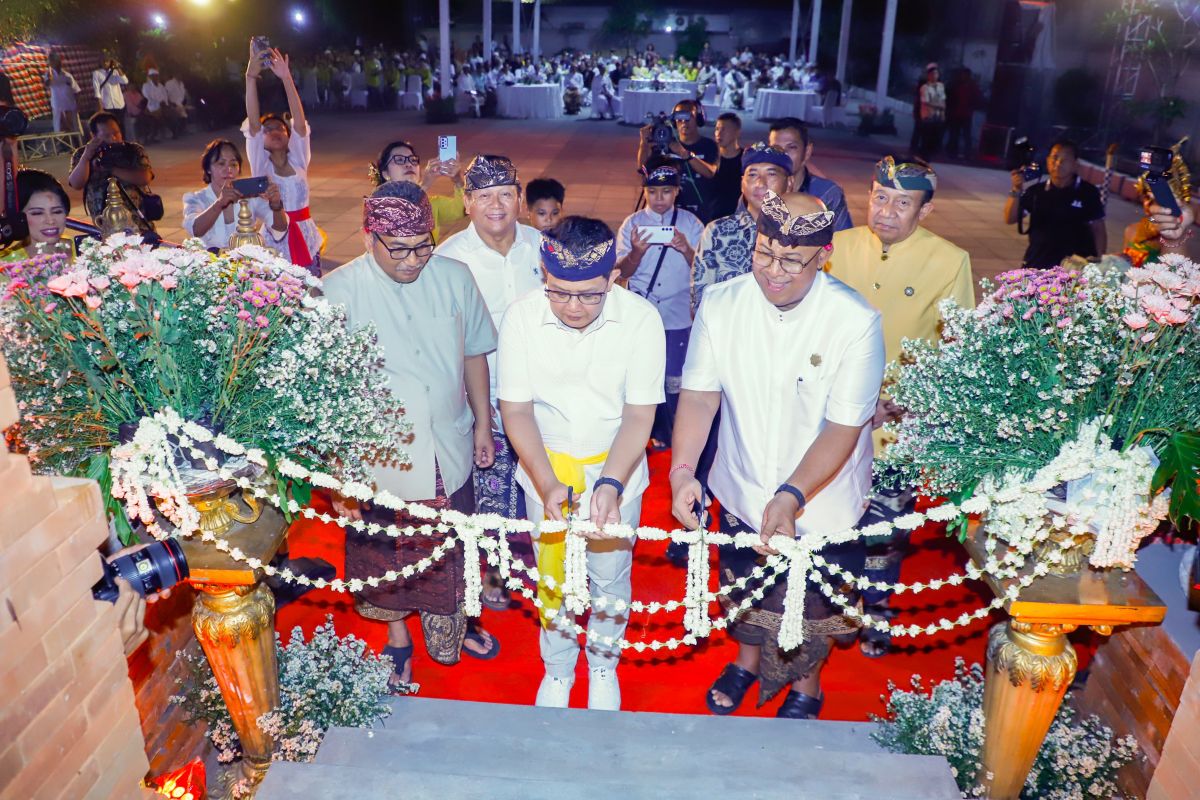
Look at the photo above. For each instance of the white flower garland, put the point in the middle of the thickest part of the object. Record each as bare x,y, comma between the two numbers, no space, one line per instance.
1017,518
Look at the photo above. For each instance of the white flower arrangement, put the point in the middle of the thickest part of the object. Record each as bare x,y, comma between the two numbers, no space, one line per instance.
1078,760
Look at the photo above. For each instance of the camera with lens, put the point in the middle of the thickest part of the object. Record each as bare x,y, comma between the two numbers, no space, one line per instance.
1020,157
155,568
12,222
1156,165
662,133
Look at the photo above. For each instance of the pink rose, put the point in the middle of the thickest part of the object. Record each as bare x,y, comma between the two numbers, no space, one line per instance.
49,307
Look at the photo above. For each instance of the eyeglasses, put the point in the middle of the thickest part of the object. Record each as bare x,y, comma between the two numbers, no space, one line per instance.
400,160
562,298
792,266
401,253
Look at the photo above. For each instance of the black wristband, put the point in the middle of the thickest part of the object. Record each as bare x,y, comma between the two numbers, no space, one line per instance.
794,492
613,482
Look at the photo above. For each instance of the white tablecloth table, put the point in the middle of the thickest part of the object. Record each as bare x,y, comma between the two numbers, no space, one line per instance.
776,103
539,101
636,105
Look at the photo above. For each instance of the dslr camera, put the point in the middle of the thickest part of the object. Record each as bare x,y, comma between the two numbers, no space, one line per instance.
12,222
155,568
1020,157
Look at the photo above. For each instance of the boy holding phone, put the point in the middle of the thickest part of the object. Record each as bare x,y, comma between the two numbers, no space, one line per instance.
655,248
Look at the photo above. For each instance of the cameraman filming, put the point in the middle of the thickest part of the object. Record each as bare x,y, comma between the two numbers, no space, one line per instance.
698,156
1066,217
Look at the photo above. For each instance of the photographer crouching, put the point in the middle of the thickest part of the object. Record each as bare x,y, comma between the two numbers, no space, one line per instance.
698,156
1064,212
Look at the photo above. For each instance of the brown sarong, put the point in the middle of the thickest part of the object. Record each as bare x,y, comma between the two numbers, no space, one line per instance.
437,590
759,625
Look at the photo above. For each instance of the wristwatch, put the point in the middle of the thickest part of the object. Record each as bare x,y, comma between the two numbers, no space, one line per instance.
613,482
794,492
692,156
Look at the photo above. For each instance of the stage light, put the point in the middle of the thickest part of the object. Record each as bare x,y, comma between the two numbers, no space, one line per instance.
159,20
299,17
199,2
668,29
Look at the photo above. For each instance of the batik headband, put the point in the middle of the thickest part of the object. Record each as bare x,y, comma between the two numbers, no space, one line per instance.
800,230
565,265
395,216
907,176
763,153
661,176
486,171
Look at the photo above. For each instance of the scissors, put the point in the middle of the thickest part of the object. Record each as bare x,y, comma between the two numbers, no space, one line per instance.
570,516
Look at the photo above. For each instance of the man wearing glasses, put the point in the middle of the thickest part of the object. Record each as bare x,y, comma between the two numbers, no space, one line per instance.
793,359
502,255
906,271
581,372
435,333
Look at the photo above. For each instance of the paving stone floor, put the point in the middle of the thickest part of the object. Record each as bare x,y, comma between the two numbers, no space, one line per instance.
595,161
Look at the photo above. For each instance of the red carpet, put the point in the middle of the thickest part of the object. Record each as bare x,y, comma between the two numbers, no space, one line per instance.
666,681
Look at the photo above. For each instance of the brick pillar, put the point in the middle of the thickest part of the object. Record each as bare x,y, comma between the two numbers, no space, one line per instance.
1178,769
69,720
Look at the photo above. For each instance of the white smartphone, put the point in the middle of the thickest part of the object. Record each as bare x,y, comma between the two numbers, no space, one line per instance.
659,234
447,148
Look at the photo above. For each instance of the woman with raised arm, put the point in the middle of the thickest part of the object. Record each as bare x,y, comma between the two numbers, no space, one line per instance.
281,152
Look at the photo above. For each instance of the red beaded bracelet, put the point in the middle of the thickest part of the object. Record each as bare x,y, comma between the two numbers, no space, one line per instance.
688,467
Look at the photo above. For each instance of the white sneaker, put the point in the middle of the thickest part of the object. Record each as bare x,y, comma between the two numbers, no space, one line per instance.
604,692
554,692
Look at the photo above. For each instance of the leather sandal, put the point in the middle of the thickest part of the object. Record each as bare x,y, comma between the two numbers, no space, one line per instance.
798,705
400,657
733,682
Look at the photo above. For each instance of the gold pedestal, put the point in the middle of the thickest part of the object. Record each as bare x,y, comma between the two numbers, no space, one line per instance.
236,627
234,620
1029,668
1030,663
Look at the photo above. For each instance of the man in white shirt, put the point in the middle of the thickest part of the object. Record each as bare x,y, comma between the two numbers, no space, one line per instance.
662,271
794,360
106,83
434,331
504,259
157,101
581,372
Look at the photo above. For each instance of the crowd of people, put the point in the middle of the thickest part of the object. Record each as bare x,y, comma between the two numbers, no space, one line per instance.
738,317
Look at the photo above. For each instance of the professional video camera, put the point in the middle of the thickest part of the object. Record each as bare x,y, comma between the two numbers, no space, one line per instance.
663,133
12,222
1020,157
155,568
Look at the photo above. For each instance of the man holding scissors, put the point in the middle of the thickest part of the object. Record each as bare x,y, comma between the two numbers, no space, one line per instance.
581,367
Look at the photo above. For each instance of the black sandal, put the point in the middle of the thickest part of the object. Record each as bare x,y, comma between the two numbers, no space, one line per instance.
474,635
798,705
499,602
873,642
400,657
733,682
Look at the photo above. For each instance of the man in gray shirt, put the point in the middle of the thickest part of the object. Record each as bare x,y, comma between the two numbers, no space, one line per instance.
435,332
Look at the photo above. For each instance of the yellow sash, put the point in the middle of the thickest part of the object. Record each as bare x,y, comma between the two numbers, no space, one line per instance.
552,547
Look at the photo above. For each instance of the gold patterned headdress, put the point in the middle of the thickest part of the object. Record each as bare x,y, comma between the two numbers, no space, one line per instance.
794,230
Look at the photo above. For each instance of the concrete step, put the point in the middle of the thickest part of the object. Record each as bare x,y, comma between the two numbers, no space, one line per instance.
464,749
